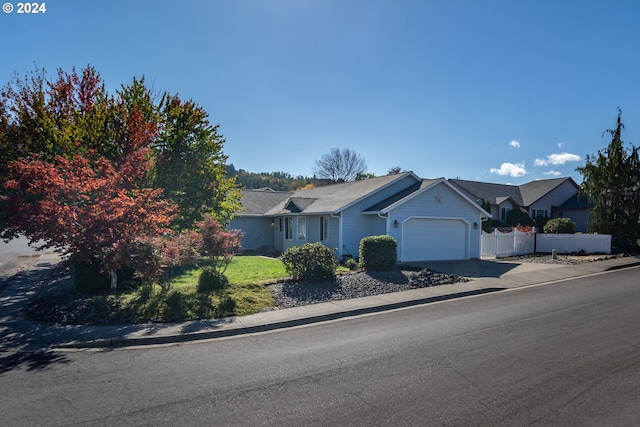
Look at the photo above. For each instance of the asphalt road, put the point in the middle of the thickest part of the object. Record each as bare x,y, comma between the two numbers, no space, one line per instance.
566,354
15,255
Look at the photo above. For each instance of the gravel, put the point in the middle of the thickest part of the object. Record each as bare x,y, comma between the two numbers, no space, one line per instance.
359,284
561,259
362,284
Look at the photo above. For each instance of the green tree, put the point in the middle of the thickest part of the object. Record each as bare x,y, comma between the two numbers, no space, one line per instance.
611,181
519,216
72,114
190,164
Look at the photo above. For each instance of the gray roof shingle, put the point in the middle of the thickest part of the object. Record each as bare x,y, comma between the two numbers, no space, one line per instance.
257,202
326,199
523,195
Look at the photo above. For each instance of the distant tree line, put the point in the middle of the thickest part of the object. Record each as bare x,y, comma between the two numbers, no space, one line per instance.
279,181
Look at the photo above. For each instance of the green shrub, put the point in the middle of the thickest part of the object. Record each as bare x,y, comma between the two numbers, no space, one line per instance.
311,262
378,252
519,216
560,226
211,280
351,264
541,221
226,307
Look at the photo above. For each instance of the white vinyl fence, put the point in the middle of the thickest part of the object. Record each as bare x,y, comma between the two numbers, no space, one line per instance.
499,244
574,243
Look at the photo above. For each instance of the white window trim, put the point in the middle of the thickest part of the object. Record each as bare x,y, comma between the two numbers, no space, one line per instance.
324,228
302,228
288,228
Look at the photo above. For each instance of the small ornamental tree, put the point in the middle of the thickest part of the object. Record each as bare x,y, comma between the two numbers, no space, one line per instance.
219,245
153,257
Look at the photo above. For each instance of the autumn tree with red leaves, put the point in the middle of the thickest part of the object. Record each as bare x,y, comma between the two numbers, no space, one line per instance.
219,245
88,206
90,173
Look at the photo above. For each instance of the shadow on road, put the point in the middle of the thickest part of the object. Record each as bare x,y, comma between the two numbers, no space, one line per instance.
31,361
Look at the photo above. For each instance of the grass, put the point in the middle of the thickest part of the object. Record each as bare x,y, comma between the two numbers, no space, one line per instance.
245,294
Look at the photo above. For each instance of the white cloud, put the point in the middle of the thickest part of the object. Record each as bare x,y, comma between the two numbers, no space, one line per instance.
515,144
560,144
557,159
510,169
553,173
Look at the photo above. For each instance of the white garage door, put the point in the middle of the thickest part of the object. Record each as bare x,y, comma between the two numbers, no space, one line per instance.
428,239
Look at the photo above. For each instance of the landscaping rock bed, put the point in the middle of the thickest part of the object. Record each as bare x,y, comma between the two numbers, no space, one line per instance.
360,284
562,259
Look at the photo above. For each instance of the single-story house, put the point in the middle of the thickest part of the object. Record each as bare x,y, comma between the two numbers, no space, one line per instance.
431,219
551,198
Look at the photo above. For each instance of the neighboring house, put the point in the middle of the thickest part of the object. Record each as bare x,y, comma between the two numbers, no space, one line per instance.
551,198
430,219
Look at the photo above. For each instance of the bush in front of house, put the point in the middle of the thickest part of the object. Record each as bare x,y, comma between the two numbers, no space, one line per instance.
310,262
519,216
378,252
211,280
560,226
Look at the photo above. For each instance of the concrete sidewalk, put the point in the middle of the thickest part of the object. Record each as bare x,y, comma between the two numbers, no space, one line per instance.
18,333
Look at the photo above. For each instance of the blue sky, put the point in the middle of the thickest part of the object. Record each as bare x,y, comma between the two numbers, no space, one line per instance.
498,91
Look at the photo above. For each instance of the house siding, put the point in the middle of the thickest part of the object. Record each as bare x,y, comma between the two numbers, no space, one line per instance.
258,233
451,205
313,232
356,225
558,196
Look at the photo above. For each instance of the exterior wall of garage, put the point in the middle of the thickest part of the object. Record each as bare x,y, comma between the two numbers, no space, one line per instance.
438,202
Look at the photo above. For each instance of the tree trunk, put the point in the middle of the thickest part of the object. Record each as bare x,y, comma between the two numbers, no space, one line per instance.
114,280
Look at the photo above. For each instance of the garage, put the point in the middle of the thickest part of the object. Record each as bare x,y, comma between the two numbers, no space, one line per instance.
432,239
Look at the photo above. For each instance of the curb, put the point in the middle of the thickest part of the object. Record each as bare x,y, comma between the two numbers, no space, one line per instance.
199,336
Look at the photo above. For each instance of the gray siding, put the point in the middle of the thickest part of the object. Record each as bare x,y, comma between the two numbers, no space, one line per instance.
356,225
258,233
558,196
313,232
451,205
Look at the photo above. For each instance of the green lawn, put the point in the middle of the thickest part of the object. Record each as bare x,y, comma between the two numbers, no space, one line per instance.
246,293
243,269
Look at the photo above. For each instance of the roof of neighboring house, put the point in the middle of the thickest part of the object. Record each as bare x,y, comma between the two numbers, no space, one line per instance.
523,195
535,190
576,202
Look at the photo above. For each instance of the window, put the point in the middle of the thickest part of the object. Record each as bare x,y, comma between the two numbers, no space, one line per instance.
503,213
302,228
288,228
535,213
324,228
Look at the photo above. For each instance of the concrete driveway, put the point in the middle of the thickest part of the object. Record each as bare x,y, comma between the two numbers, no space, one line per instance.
483,268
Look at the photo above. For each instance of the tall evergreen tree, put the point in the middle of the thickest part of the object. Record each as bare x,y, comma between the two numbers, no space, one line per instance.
611,182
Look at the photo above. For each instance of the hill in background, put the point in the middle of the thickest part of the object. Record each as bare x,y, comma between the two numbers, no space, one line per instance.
279,181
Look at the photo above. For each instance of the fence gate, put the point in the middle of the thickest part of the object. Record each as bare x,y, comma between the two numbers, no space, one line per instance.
499,244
